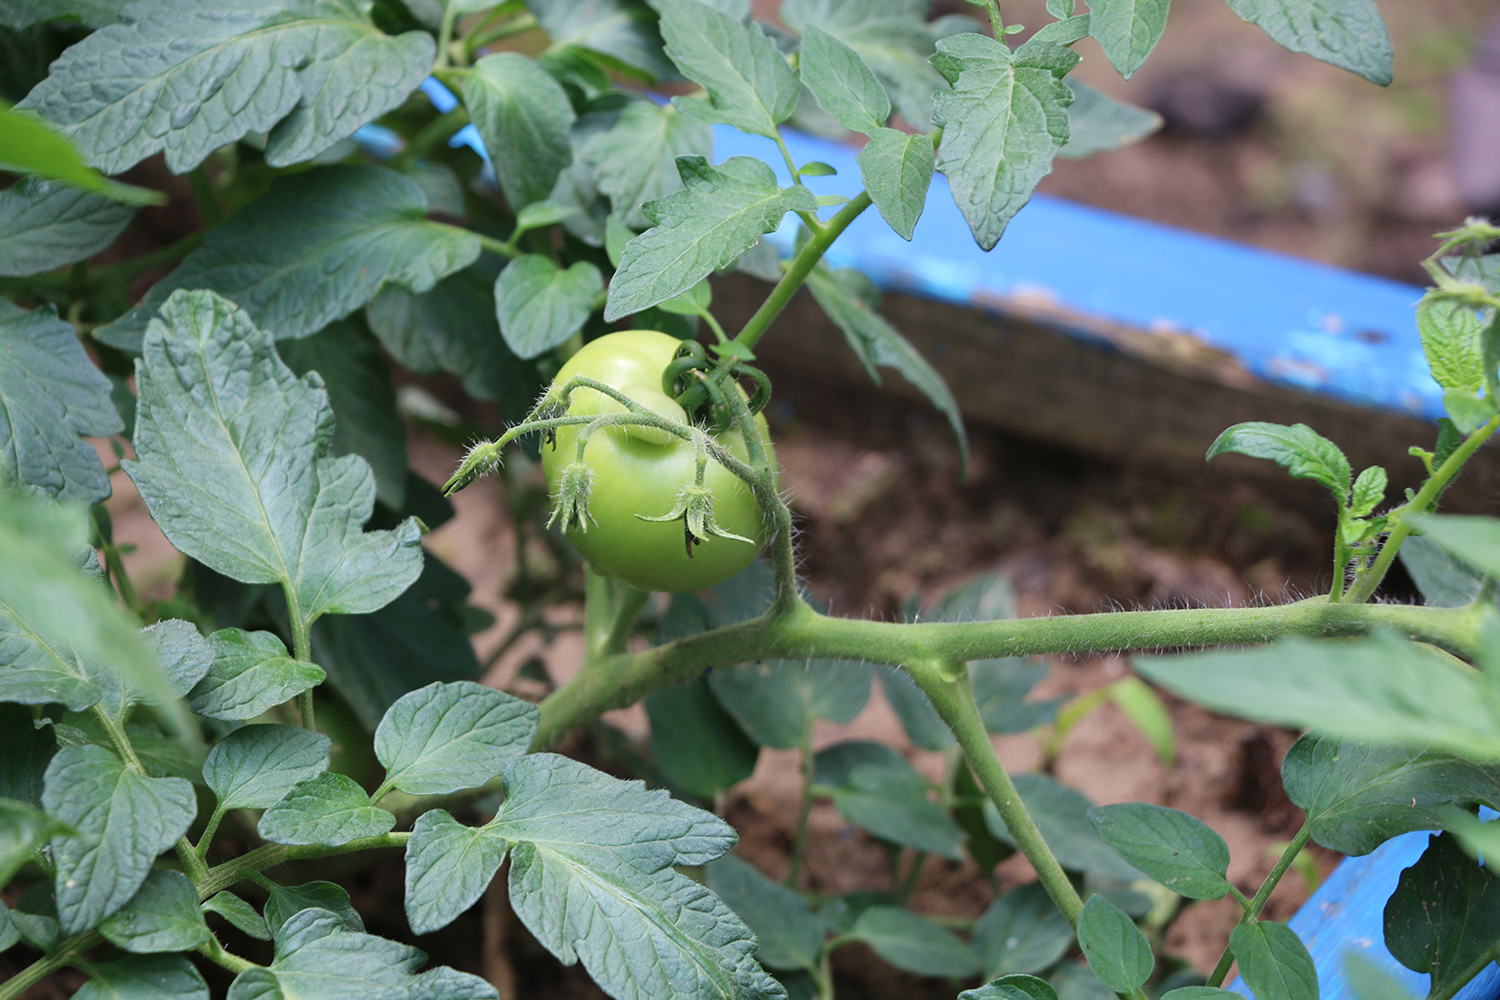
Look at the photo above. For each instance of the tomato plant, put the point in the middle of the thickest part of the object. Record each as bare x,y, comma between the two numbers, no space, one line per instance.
170,795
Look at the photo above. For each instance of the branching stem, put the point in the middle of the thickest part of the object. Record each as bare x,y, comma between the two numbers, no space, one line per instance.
1254,906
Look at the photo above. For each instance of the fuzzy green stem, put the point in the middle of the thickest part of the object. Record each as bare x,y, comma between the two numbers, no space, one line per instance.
301,651
1425,499
799,838
445,36
215,953
65,954
1253,908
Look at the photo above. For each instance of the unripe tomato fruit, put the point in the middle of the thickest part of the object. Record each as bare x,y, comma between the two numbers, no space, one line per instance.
639,470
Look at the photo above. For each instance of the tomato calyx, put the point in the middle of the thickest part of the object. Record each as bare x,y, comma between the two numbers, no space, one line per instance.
694,506
570,506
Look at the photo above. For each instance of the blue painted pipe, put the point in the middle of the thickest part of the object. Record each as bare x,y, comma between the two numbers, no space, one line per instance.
1286,320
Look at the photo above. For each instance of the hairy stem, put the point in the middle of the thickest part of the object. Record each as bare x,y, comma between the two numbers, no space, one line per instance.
302,651
215,953
1253,908
799,838
65,954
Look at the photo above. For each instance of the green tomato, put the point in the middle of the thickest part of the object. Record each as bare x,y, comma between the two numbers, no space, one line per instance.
639,470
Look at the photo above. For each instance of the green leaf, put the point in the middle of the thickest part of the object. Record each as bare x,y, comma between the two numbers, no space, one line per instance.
776,702
790,935
254,767
623,30
540,305
330,809
1022,932
365,421
23,830
1002,124
1367,981
1273,961
1303,452
1368,492
1452,340
876,788
749,83
1347,33
51,395
524,117
453,328
1359,795
1127,30
1098,123
251,673
311,250
144,977
1061,814
1472,540
285,902
93,13
635,159
162,916
914,943
232,462
844,295
1444,581
1200,993
1000,687
318,957
10,934
1174,848
1380,689
592,878
720,214
44,225
448,867
449,736
1015,987
182,652
183,79
239,913
1444,917
897,171
1067,31
841,82
695,743
32,146
122,821
28,748
1115,947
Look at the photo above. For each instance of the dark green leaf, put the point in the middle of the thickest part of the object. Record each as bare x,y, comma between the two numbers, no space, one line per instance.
777,701
311,250
624,30
254,767
1176,849
23,829
1127,30
1061,814
365,421
28,748
1098,123
747,78
842,294
695,743
1381,689
318,957
330,809
1003,123
1199,993
913,943
50,394
635,159
592,878
184,655
524,117
1359,795
876,788
1116,949
1444,917
1273,961
720,214
144,977
1346,33
1014,987
1444,581
285,902
93,13
122,821
448,867
540,305
1299,449
1471,539
450,736
239,913
162,916
897,171
841,82
251,673
790,936
232,462
44,225
182,78
10,934
1023,931
418,638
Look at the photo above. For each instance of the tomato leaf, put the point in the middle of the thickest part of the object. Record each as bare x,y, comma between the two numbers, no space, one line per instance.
296,518
914,943
897,171
841,82
23,830
1012,987
254,767
28,748
330,809
170,977
776,702
448,867
449,736
749,83
1127,30
1303,452
1347,33
876,788
541,306
1098,123
44,225
1115,947
1452,340
695,743
625,31
182,78
524,117
719,215
1174,848
1023,931
635,159
251,673
239,913
790,935
1273,961
1444,581
1061,814
285,902
163,915
1473,540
